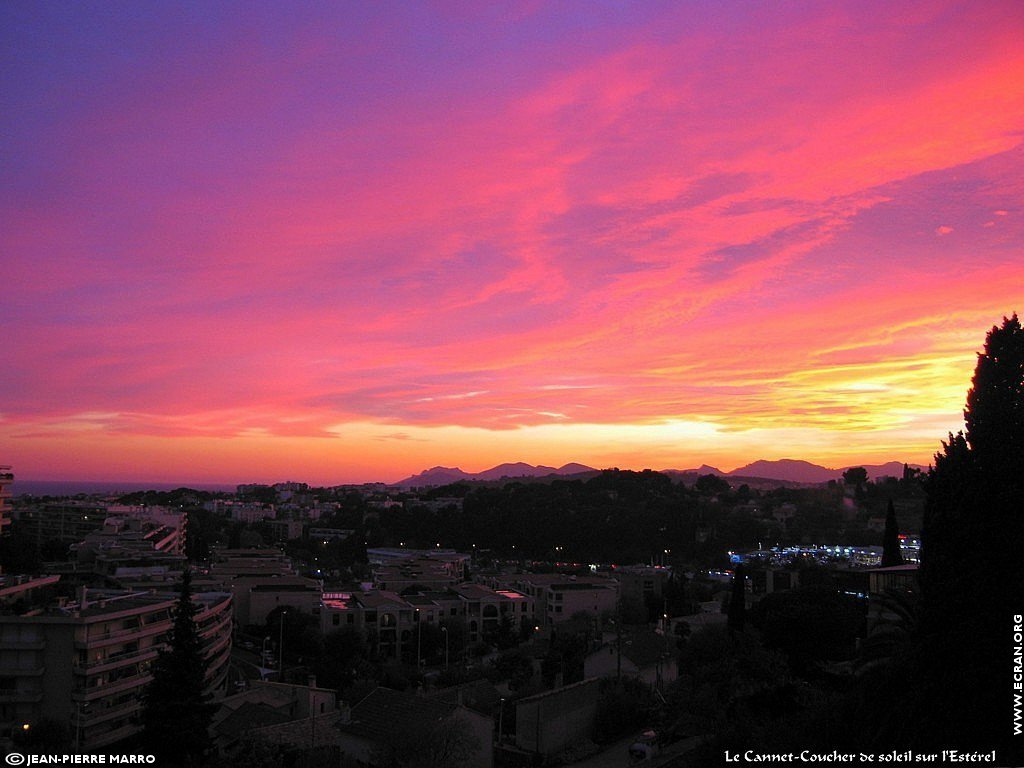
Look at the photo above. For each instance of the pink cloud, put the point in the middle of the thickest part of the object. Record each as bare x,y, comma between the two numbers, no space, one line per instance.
651,218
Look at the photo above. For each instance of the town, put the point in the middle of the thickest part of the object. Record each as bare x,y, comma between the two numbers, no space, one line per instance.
330,618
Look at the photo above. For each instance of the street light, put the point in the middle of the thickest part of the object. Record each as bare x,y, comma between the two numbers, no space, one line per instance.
418,634
445,630
501,719
280,649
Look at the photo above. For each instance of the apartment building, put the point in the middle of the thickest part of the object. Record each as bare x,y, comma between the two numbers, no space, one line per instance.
455,561
256,596
137,548
228,564
6,478
418,572
86,663
395,617
642,584
558,596
65,521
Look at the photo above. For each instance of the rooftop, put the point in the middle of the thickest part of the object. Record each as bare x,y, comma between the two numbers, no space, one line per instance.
384,712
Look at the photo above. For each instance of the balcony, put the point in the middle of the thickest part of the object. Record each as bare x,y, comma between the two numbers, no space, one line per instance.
24,645
211,629
21,697
106,638
108,689
111,736
11,671
111,662
98,715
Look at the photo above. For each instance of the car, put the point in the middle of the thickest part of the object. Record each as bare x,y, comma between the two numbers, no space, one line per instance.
646,746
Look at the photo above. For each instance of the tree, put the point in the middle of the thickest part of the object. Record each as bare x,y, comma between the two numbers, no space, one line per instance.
711,484
810,624
969,568
449,743
855,476
891,553
301,635
176,713
738,601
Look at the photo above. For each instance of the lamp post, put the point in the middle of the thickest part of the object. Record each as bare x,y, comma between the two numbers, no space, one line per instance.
501,719
418,635
445,630
280,649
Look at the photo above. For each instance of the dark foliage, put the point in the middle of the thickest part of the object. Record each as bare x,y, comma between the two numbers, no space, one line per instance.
810,624
970,570
176,714
738,600
855,476
891,553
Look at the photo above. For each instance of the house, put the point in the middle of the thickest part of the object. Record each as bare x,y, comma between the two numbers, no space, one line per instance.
257,596
892,577
244,715
389,724
559,596
553,721
643,654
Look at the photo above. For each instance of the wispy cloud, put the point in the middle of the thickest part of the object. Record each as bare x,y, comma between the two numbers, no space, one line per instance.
549,225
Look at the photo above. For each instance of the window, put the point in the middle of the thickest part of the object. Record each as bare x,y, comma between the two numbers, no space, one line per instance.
336,619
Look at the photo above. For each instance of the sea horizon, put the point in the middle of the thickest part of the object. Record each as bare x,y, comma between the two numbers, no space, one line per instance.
74,487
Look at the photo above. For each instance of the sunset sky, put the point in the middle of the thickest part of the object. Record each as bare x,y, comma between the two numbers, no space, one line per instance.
348,241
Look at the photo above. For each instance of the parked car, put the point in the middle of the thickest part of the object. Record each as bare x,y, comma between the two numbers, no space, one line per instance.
645,747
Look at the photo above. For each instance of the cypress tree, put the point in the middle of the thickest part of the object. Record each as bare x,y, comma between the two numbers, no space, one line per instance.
176,713
737,613
969,567
891,553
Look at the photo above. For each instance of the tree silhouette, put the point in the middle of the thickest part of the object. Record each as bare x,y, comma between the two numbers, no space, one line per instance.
737,613
176,713
969,570
891,554
855,476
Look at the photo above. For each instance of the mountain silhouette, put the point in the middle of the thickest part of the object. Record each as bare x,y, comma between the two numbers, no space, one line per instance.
783,470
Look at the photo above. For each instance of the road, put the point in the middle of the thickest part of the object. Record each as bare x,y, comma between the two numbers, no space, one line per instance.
244,668
617,754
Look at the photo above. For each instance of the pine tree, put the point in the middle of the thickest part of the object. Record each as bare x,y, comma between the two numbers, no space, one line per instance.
974,519
176,713
891,553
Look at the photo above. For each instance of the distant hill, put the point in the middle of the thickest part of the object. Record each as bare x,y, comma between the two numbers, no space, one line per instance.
793,470
447,475
797,471
703,469
781,471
